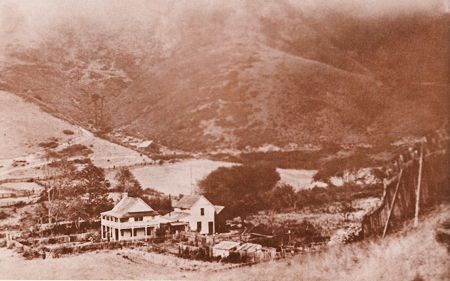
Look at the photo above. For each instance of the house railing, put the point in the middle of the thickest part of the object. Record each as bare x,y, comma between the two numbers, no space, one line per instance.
130,224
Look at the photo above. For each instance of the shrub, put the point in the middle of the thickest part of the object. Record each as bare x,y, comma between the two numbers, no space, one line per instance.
31,254
49,144
234,257
19,204
3,215
68,132
76,150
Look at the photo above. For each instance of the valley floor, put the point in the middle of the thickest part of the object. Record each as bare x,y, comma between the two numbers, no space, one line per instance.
409,255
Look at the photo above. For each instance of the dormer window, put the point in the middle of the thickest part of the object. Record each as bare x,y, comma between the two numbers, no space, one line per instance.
202,211
138,218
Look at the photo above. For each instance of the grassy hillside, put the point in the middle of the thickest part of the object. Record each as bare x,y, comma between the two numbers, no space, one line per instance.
410,255
24,126
26,132
239,74
236,95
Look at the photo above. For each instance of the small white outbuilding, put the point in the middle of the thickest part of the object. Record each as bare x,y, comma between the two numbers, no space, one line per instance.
224,248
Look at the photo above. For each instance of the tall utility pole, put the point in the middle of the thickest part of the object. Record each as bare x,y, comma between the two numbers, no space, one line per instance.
419,181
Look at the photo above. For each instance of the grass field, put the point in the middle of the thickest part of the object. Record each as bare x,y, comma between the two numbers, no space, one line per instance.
175,178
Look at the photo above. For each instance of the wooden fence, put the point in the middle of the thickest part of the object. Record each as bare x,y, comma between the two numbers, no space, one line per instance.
416,185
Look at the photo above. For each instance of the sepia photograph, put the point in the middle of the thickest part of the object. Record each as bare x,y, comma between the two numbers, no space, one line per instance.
254,140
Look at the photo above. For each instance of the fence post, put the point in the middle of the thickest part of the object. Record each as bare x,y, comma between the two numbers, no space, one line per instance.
391,209
419,181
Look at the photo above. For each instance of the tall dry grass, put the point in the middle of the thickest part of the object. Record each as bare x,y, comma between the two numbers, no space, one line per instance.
412,254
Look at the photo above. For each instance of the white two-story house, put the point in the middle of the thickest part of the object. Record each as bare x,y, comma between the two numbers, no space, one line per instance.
130,219
196,212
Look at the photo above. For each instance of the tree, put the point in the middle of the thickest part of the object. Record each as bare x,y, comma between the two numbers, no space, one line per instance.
61,174
126,182
75,211
282,197
161,204
241,189
93,183
40,213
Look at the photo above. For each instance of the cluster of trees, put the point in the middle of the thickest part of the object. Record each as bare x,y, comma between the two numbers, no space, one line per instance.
296,159
242,189
126,182
345,194
338,166
74,194
247,189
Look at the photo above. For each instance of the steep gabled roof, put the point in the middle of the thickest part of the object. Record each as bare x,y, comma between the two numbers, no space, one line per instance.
130,206
187,201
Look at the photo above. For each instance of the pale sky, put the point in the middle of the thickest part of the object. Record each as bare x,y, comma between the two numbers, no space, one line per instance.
39,16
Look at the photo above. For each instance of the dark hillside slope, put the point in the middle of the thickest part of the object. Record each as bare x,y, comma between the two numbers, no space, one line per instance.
236,94
242,73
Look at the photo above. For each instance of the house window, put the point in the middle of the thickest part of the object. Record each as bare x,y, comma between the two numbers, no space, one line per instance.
202,211
135,232
124,220
199,226
138,218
